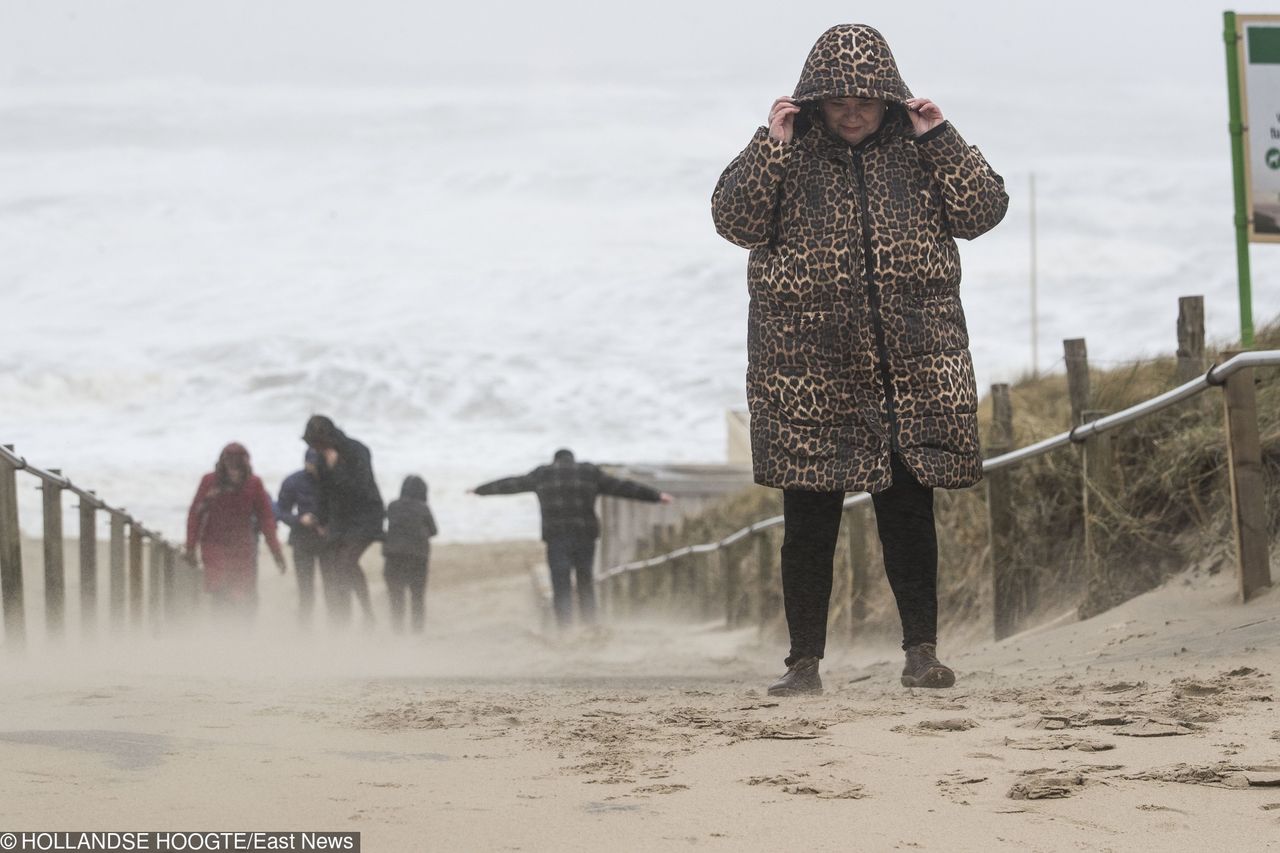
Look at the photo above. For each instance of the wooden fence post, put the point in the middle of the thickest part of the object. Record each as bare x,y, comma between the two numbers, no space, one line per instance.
683,587
672,570
764,577
15,632
168,597
647,590
1008,593
1190,338
625,595
88,567
1248,499
656,575
135,574
671,585
155,563
695,584
710,572
730,580
657,581
116,578
617,598
1076,355
636,584
55,595
1104,588
620,597
189,583
635,593
600,589
685,600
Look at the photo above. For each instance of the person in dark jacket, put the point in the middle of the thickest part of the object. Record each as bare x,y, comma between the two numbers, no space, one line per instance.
230,509
859,376
350,515
407,549
567,492
298,507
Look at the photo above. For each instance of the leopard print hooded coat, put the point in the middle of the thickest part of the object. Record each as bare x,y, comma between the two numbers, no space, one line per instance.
857,344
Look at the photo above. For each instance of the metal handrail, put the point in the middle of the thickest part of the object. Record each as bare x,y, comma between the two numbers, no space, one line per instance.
1214,377
64,482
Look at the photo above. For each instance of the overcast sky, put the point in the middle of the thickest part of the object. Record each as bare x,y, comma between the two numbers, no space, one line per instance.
1020,45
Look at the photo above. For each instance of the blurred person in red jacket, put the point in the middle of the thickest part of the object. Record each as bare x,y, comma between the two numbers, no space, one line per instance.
230,509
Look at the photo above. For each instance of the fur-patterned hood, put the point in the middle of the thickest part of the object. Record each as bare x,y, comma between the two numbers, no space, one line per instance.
851,61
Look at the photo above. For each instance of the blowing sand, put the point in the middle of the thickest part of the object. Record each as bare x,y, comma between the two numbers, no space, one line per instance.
1152,726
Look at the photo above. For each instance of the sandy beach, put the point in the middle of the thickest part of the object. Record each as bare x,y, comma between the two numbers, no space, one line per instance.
473,234
1152,726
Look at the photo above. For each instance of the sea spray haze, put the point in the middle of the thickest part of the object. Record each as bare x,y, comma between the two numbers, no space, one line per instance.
469,265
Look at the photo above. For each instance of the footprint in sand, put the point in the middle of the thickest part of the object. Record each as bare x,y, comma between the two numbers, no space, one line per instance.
800,784
1047,785
1220,775
1059,743
660,789
955,786
933,727
1151,807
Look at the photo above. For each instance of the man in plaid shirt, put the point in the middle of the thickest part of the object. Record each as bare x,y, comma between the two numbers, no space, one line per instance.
567,492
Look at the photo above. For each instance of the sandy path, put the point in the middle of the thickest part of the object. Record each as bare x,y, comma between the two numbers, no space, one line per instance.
488,736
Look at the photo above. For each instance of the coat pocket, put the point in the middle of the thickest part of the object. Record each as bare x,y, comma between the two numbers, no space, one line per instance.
937,324
806,369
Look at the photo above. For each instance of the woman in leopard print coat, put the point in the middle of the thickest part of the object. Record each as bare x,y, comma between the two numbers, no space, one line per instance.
859,375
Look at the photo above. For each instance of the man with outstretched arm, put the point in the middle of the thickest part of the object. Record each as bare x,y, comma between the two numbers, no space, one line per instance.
567,491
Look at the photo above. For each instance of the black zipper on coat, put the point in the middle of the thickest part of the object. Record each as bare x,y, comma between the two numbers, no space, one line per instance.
873,302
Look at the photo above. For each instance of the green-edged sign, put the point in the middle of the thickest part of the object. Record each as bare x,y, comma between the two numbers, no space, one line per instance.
1253,98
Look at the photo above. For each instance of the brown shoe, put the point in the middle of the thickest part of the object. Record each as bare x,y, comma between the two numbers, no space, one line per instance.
923,668
801,679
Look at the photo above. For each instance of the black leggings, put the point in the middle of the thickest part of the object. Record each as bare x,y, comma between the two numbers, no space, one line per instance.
904,520
406,578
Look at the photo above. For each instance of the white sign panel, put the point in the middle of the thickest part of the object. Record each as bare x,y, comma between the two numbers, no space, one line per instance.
1260,110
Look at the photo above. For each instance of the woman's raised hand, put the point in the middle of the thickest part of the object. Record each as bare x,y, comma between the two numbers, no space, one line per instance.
925,115
782,119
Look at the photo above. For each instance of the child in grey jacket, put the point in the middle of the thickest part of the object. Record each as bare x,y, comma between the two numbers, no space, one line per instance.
407,549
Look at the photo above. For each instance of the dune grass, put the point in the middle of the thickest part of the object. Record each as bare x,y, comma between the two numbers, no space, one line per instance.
1167,508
